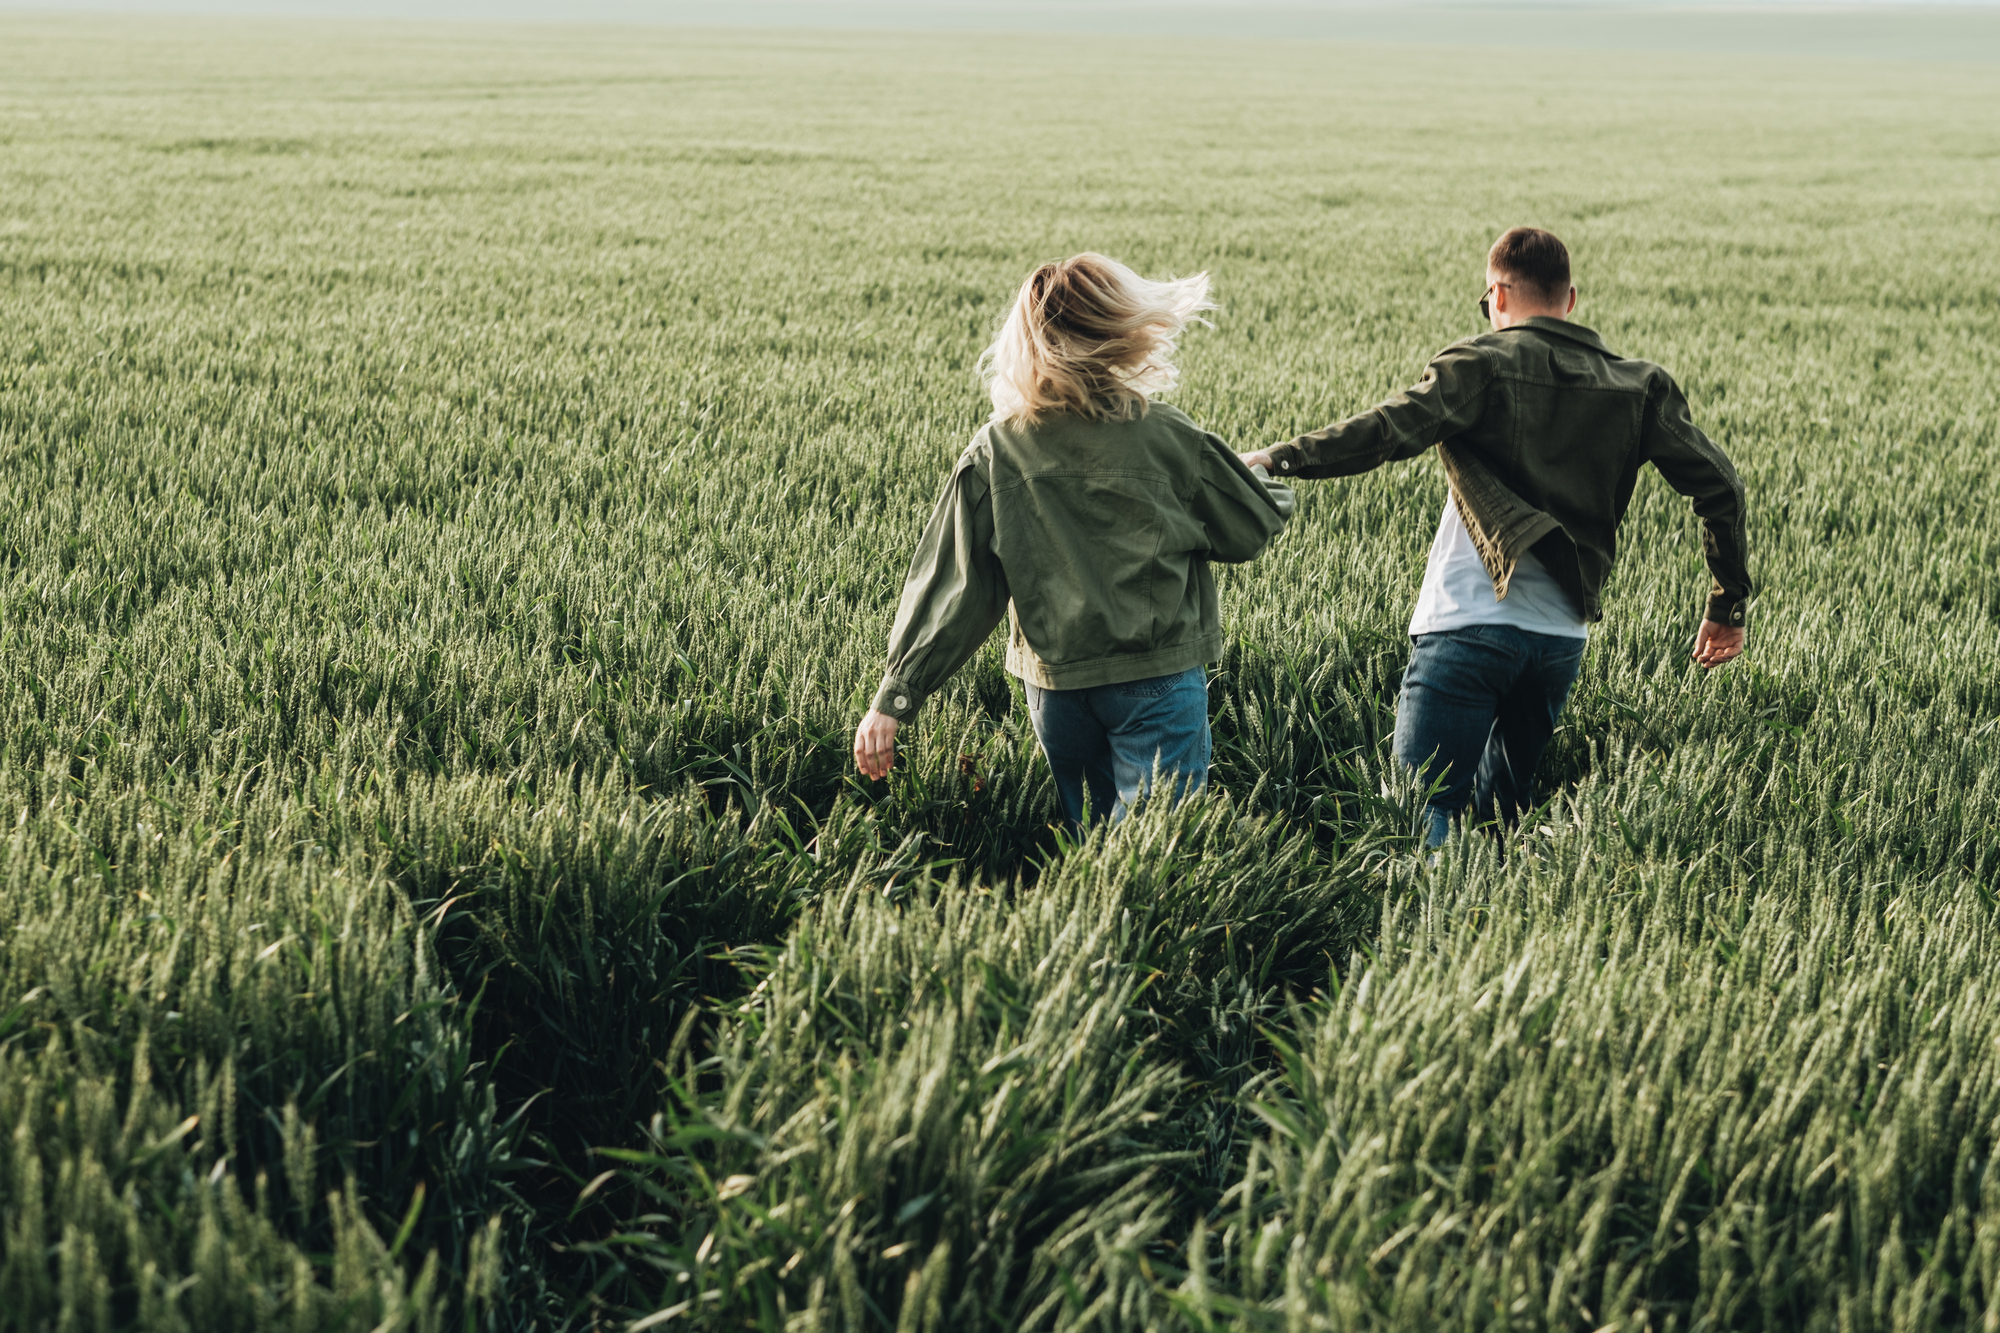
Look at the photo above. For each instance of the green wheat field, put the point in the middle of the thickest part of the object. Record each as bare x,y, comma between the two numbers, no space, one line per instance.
456,486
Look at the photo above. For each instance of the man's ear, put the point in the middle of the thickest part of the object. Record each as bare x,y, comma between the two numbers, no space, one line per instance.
1572,300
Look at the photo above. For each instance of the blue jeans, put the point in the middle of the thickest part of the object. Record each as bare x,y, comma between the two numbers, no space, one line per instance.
1478,707
1109,738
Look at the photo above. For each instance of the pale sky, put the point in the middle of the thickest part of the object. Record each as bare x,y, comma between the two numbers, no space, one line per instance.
1887,29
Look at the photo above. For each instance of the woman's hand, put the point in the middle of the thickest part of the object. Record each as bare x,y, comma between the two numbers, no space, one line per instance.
1257,458
875,744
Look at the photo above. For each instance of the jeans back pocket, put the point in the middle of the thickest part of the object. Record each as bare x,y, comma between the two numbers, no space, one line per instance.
1150,688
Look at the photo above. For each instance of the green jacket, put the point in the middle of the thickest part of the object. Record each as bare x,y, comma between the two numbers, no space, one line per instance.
1094,539
1541,430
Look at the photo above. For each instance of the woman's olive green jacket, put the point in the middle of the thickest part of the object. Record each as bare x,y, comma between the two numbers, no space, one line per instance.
1094,539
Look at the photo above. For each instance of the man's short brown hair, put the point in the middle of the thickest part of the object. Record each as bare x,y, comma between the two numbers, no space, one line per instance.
1535,259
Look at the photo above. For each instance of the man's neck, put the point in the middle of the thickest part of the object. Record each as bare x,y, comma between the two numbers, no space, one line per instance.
1514,320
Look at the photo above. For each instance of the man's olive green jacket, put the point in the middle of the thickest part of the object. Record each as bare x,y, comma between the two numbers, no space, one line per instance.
1541,429
1094,538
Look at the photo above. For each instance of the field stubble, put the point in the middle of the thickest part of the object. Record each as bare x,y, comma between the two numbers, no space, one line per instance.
456,486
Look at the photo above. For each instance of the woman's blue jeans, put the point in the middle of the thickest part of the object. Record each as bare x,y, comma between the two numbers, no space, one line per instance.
1107,741
1478,707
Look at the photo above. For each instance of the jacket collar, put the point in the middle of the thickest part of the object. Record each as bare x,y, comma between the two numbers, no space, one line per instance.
1563,328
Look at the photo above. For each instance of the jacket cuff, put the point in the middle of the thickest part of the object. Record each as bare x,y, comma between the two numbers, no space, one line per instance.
1282,497
897,699
1726,610
1287,460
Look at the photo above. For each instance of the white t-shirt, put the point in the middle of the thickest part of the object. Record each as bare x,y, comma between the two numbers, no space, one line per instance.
1458,592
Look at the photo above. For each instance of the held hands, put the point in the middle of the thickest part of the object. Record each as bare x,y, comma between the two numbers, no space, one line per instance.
1257,458
1715,644
875,744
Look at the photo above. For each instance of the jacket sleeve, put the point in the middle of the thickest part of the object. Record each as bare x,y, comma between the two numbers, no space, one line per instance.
1449,398
955,594
1693,465
1239,508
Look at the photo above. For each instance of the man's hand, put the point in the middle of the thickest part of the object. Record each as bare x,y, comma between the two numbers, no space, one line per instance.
875,744
1715,644
1257,458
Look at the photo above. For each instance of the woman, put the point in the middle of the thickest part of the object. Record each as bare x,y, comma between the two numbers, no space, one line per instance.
1088,513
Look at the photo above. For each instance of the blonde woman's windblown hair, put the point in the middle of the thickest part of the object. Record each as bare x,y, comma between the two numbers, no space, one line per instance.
1089,336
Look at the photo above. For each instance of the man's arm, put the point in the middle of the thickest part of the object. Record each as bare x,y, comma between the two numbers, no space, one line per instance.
1696,467
955,594
1449,398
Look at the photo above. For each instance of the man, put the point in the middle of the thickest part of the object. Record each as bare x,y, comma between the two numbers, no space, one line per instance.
1541,429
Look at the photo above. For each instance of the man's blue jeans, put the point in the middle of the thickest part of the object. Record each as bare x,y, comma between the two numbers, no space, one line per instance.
1478,707
1109,738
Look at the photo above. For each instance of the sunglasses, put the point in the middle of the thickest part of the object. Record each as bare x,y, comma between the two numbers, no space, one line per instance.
1486,301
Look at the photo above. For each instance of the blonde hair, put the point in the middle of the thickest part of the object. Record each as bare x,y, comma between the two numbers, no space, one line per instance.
1089,336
